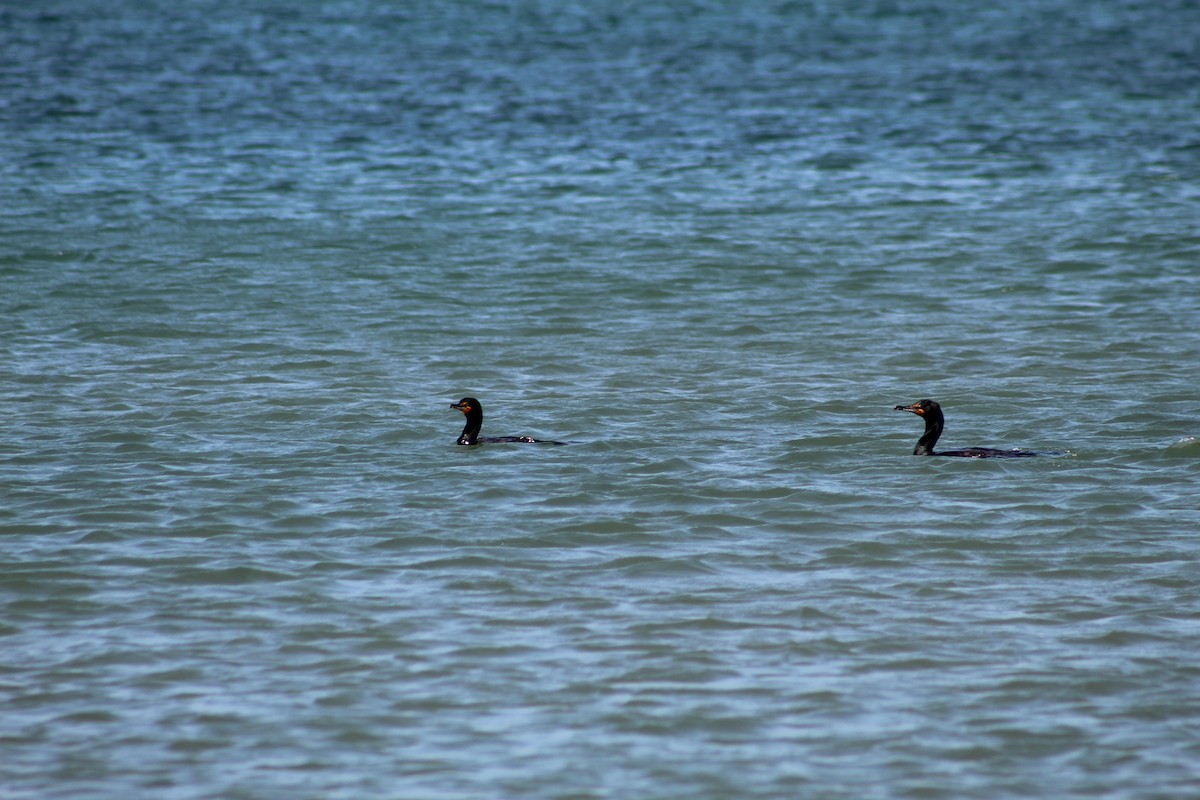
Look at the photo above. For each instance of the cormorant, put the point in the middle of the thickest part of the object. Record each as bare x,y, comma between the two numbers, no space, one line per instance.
473,411
931,412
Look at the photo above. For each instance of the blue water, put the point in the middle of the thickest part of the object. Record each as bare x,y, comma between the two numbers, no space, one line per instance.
250,253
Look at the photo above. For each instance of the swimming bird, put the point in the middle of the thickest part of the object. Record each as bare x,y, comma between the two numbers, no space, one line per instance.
473,410
931,412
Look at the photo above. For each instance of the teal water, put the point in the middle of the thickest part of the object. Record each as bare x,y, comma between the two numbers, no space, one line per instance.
250,253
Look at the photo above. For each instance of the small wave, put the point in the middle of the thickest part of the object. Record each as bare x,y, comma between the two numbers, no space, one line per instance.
1188,446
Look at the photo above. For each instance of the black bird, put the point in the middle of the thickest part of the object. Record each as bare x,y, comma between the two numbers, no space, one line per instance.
931,412
473,411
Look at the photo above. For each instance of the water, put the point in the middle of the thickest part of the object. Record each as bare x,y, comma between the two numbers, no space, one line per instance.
251,252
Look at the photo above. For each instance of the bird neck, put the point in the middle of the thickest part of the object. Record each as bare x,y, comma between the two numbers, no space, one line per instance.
934,422
470,431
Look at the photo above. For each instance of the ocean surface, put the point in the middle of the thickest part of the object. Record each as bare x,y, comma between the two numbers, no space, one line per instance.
250,253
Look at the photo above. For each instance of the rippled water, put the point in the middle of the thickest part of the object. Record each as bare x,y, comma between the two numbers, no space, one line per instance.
250,253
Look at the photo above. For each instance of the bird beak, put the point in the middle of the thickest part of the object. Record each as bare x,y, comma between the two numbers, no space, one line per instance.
914,409
458,407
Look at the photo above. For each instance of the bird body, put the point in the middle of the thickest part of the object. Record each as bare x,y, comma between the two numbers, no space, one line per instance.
935,421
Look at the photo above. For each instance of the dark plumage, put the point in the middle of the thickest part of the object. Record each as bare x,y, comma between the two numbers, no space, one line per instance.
473,410
931,412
